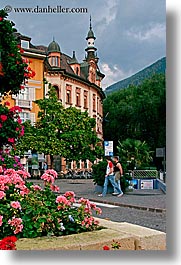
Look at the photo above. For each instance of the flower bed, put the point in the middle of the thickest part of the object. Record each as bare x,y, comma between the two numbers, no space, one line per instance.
29,211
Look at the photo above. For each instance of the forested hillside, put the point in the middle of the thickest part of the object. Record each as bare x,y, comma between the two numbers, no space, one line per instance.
155,68
137,112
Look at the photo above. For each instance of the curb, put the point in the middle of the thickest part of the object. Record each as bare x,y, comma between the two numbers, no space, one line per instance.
145,208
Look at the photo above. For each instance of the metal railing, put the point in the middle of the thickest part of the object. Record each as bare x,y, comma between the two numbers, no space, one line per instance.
141,174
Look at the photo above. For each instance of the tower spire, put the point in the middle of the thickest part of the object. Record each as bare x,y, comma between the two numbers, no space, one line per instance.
90,23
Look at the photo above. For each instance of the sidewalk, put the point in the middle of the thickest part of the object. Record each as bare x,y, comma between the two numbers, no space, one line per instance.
150,200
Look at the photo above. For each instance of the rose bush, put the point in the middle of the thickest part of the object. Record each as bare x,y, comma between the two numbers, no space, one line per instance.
29,210
11,127
9,161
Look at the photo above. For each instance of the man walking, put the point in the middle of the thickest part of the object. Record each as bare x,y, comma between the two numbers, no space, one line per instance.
118,172
110,177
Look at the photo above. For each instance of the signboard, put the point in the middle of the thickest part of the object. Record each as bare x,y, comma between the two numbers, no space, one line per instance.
108,148
35,166
160,152
147,184
133,183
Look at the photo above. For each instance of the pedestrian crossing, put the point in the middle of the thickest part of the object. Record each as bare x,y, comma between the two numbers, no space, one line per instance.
98,204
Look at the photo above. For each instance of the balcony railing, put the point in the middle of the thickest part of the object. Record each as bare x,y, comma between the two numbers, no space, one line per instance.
24,103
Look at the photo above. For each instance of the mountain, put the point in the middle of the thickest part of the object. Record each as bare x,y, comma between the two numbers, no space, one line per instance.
155,68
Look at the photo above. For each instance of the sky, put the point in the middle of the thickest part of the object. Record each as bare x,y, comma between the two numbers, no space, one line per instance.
130,34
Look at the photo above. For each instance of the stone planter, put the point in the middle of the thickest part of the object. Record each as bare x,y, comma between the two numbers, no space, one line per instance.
131,237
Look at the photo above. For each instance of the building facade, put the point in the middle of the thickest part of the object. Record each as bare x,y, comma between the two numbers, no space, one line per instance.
78,84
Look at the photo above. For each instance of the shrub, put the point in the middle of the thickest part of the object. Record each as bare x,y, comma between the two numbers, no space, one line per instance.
9,161
29,211
98,172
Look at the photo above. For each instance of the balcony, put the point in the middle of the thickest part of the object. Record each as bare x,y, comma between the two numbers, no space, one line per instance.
24,103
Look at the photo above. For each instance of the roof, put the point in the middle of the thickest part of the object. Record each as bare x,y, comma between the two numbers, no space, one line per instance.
65,63
73,59
90,35
53,47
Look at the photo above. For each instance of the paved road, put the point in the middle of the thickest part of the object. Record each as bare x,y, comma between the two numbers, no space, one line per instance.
142,207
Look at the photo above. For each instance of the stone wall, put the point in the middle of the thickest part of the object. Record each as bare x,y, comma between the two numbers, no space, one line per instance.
131,237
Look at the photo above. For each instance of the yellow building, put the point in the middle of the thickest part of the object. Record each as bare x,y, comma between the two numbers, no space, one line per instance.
34,88
78,84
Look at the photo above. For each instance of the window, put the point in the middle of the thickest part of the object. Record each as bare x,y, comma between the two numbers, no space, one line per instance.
78,97
54,61
77,70
97,105
57,91
94,102
85,100
24,116
24,94
68,94
25,44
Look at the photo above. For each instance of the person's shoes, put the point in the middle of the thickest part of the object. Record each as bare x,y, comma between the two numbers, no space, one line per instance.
115,193
120,195
100,195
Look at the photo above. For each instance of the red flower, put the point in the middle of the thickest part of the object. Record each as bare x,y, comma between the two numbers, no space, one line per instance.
106,248
7,103
8,243
3,117
1,18
19,120
22,131
11,140
15,108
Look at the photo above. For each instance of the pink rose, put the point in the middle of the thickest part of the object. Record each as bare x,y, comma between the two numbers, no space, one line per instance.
16,205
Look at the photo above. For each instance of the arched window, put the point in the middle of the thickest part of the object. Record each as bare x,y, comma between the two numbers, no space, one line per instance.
57,91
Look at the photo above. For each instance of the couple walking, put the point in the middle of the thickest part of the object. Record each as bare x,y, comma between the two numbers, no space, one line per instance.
113,174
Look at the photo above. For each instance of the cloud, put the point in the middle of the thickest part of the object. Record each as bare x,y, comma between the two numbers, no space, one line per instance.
106,16
130,34
153,31
112,74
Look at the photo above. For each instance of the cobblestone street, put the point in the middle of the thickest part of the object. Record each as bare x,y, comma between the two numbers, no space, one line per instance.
142,207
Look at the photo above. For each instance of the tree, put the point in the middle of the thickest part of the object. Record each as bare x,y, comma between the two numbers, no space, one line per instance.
14,70
138,112
134,153
67,132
